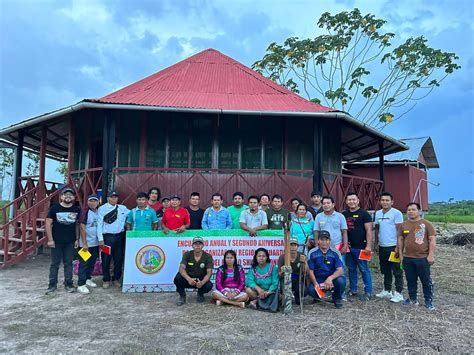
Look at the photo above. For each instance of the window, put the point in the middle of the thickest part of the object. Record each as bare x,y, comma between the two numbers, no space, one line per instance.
179,142
300,144
273,141
251,143
155,142
129,139
228,142
202,135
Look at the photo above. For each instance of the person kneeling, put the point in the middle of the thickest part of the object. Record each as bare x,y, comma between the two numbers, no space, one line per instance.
230,282
262,282
325,270
195,271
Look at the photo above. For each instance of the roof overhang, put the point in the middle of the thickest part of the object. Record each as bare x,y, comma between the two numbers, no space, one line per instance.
359,142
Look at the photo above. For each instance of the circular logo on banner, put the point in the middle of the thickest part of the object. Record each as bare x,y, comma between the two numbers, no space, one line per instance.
150,259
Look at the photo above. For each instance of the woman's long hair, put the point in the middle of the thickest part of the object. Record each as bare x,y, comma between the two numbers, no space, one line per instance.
255,262
236,266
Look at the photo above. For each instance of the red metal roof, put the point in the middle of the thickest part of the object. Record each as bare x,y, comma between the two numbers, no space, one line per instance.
211,80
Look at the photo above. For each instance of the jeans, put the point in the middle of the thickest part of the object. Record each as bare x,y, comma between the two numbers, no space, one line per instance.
388,268
181,284
61,252
418,268
353,262
339,285
116,242
86,267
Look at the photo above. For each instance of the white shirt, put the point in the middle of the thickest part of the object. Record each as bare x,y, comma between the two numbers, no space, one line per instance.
387,223
114,228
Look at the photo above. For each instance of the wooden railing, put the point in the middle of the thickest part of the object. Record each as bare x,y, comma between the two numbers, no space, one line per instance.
85,182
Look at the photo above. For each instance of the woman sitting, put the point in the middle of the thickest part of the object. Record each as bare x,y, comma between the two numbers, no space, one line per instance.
230,282
262,282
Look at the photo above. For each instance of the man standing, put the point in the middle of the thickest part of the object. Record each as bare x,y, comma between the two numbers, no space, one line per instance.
298,264
195,212
110,226
236,209
326,270
359,233
316,206
142,218
62,231
154,195
387,223
216,216
253,219
416,246
333,222
90,242
175,218
264,202
195,271
276,215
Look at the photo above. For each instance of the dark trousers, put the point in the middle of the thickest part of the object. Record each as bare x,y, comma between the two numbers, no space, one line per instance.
86,267
116,242
388,269
61,252
337,292
418,268
182,284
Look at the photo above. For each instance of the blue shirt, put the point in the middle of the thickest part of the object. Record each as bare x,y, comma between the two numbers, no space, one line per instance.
213,219
142,220
324,265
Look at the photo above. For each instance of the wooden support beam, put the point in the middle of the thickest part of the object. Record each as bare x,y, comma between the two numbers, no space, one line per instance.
42,163
381,162
18,163
317,156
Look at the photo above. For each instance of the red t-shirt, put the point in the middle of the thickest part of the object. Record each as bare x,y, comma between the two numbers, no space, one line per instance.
174,219
156,206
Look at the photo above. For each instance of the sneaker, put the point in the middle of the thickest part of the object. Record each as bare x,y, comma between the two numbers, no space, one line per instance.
69,288
352,293
200,298
365,297
83,289
181,300
50,290
106,284
91,283
117,284
430,307
338,304
409,302
397,297
384,294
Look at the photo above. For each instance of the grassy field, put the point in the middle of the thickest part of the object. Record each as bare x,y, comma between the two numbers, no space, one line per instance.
449,218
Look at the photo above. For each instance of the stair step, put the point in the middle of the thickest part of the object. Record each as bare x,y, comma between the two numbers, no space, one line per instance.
2,252
19,240
37,229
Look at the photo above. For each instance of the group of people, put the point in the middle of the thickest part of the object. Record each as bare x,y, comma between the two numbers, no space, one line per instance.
324,246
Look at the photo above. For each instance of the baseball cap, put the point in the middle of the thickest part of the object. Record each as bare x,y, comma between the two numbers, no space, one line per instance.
176,197
198,240
68,189
324,235
293,241
93,197
113,193
165,198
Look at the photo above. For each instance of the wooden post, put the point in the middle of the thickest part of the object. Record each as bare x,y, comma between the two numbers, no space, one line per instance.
381,163
42,164
287,290
143,140
18,163
108,154
317,156
70,146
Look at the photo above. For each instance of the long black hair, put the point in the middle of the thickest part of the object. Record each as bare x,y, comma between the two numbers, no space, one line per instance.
236,266
255,262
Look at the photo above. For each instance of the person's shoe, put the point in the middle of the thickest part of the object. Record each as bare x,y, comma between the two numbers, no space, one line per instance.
218,303
106,284
429,306
397,297
50,290
352,293
316,300
409,302
384,294
200,298
181,300
83,289
69,288
117,284
338,304
91,283
365,297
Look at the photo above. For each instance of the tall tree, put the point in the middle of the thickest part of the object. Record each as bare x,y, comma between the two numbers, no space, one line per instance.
351,68
32,166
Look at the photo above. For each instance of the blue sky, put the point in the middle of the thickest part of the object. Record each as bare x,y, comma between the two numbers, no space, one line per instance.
55,53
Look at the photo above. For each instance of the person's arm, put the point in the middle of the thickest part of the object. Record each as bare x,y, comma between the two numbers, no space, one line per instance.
241,285
48,223
208,276
228,222
219,286
376,241
154,221
345,241
182,271
432,243
264,222
400,245
368,236
399,231
164,221
84,236
275,279
328,282
312,278
100,225
205,220
187,223
129,220
78,234
250,279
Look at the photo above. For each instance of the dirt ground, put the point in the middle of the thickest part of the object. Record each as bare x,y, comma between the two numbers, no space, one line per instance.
108,321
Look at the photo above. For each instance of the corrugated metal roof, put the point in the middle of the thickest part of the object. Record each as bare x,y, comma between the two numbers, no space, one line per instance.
211,80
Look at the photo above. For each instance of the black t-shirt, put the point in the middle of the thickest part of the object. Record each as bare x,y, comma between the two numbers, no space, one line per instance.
197,269
196,218
64,222
315,212
355,227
